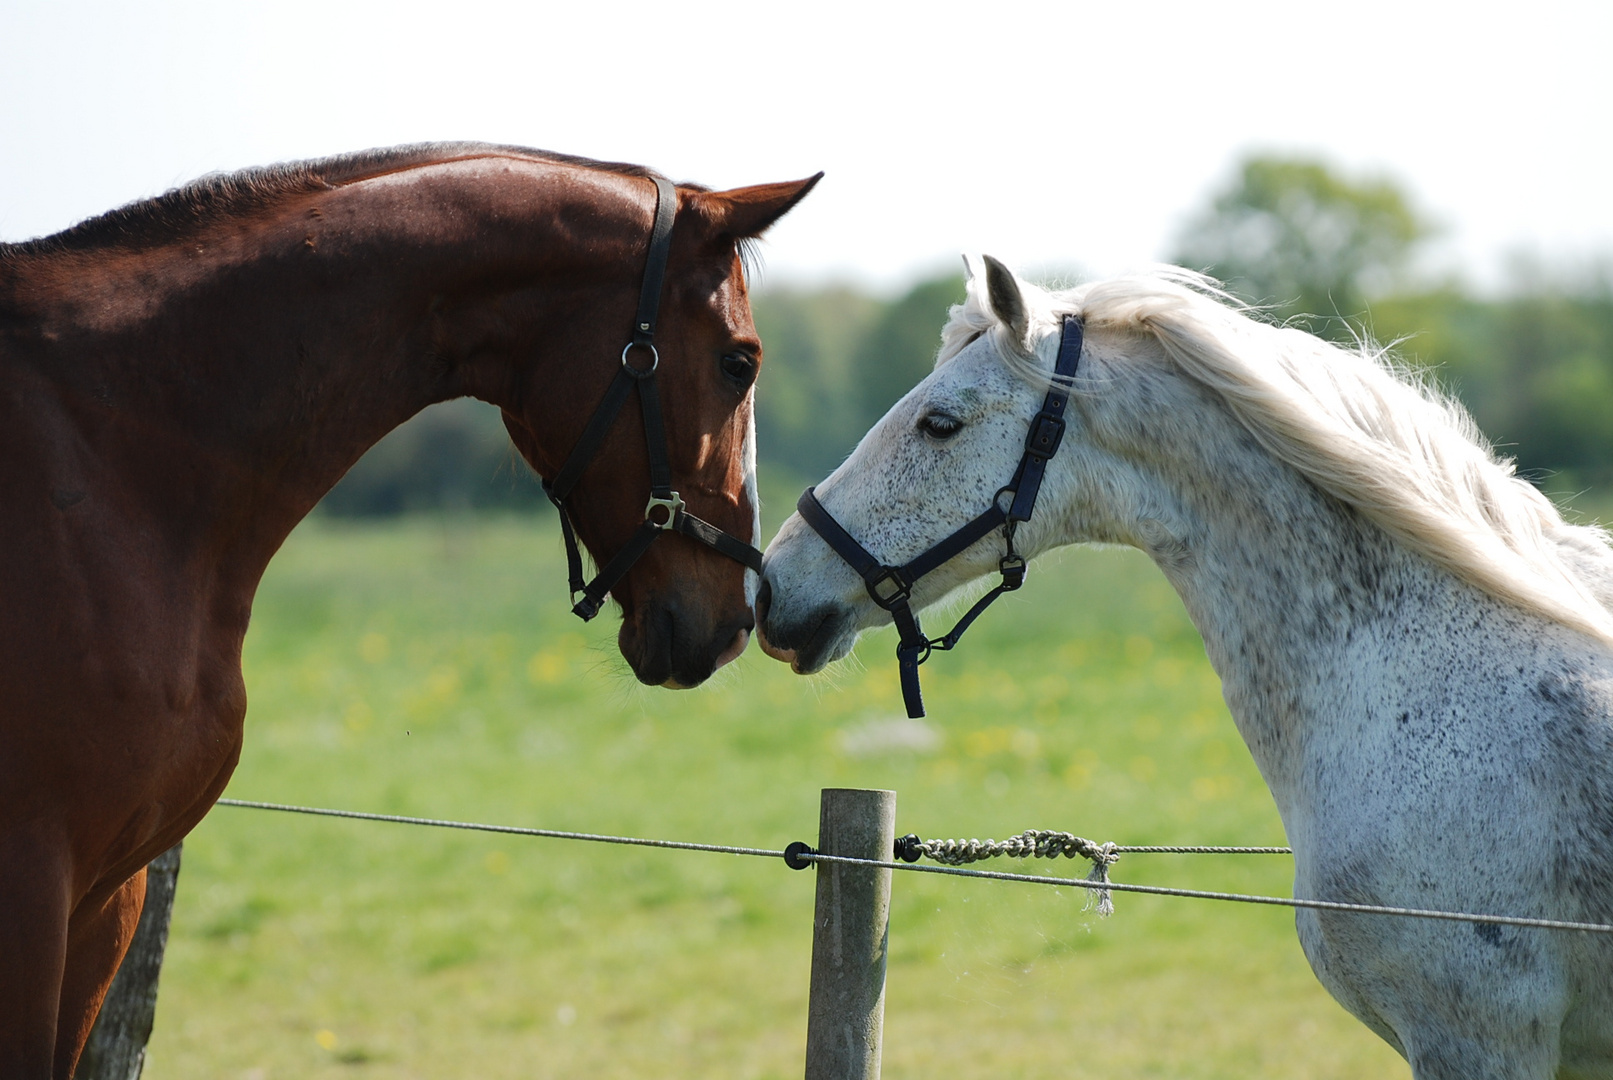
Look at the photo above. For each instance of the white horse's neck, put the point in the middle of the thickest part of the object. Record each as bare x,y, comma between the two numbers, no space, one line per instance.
1298,596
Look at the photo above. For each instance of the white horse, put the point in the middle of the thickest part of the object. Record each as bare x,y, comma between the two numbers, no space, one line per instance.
1415,646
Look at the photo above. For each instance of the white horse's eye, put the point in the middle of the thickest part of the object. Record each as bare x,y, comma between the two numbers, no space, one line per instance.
940,426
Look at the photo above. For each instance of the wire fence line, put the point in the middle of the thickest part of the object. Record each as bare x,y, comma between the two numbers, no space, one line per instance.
1242,898
800,854
1197,849
517,830
634,841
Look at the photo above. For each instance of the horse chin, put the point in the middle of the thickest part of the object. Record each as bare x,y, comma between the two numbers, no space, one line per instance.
726,657
667,648
830,638
810,663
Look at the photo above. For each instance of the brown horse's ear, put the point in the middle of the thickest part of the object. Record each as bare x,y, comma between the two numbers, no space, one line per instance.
748,211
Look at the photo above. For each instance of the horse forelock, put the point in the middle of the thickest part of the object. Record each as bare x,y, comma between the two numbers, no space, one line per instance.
1374,433
219,196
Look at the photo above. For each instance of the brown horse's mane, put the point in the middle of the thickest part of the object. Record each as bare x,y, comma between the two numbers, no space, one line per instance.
219,196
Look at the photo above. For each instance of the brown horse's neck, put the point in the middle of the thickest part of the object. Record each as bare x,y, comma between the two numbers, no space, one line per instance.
236,373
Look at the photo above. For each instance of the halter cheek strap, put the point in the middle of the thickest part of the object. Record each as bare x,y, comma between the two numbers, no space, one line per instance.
665,511
891,587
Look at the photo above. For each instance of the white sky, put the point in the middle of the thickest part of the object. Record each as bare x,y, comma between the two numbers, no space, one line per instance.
1049,134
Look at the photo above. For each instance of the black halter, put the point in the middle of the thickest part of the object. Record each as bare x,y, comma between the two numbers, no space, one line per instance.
892,586
665,509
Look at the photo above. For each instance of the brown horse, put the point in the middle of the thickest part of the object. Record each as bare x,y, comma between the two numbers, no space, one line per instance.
183,379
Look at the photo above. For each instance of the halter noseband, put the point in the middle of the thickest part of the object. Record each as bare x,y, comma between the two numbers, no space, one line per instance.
891,587
665,511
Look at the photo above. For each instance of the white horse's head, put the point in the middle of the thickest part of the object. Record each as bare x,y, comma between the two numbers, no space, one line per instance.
936,460
1187,420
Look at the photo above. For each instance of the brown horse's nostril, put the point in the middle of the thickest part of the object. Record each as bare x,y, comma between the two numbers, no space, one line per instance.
764,600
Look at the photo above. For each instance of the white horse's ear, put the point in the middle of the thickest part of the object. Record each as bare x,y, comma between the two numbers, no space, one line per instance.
1007,302
968,269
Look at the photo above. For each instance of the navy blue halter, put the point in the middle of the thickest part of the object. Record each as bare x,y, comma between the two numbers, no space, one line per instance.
665,511
891,587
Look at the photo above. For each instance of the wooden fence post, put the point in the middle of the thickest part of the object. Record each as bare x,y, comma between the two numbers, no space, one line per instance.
850,928
117,1045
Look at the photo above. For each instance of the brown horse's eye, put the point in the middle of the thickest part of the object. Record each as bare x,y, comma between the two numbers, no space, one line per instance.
740,369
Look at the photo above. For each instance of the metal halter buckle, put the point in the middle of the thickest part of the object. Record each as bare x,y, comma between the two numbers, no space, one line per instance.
890,574
1046,432
673,505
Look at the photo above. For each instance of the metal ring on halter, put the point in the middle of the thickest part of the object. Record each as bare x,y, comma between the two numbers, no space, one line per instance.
922,649
673,505
641,373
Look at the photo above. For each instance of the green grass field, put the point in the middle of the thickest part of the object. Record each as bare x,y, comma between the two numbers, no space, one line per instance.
431,668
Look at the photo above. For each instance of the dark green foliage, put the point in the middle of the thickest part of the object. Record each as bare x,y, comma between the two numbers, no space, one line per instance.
836,360
900,348
1535,369
1292,235
802,417
453,456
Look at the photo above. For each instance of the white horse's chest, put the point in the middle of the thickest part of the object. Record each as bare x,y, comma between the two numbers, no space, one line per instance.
1454,771
1426,773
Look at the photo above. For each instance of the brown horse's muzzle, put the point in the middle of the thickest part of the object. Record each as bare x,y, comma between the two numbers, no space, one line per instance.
677,639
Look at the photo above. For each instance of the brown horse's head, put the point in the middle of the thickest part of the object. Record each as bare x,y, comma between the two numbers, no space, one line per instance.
686,610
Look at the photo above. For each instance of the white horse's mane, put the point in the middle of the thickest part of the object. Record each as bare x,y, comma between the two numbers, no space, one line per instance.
1374,435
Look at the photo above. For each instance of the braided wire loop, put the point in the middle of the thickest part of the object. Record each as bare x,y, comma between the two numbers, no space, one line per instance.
1036,844
1030,844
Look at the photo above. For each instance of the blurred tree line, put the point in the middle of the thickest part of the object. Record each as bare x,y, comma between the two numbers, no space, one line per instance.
1336,255
1309,245
453,457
